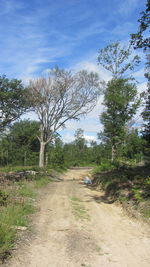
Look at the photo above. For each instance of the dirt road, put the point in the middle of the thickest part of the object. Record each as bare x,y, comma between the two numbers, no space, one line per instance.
72,229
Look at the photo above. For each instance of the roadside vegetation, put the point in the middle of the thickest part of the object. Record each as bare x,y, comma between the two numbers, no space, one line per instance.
17,202
128,184
125,176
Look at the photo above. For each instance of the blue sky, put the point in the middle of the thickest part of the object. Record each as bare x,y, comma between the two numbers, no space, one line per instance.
39,34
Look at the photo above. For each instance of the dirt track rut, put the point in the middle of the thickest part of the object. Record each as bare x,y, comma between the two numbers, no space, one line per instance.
72,229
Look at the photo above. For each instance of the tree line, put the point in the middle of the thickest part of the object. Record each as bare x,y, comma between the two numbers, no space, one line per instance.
20,147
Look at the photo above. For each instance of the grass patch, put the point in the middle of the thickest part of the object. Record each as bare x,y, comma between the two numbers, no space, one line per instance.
26,190
146,213
79,210
16,214
42,181
11,217
76,199
7,237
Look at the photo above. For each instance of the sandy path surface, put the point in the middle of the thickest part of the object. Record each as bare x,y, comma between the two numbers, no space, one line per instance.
72,229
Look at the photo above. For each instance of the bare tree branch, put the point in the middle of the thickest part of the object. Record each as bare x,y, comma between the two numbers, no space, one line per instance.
61,97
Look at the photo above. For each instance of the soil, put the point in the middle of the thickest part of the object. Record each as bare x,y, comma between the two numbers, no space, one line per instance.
71,228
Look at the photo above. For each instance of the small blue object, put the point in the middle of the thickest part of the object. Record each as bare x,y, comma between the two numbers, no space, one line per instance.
87,180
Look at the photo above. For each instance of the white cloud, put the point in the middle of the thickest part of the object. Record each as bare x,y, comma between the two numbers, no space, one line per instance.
69,137
88,125
91,66
90,138
142,87
99,108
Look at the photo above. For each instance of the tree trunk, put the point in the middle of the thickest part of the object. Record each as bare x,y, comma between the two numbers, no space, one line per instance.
46,160
42,154
112,153
25,158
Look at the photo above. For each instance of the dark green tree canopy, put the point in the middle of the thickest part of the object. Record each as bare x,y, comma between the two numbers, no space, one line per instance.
24,134
19,145
13,102
142,40
138,40
146,118
121,103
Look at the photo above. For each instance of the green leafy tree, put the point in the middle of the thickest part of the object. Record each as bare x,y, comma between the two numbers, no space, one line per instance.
117,59
142,40
121,103
120,96
55,153
80,147
69,154
13,101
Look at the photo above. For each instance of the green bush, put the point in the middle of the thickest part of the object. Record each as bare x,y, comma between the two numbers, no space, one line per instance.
105,166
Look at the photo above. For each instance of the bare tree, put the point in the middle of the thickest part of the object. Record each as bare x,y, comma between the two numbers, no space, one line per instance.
61,97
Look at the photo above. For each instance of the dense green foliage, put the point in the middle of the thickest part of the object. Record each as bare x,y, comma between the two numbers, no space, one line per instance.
141,40
13,101
146,130
76,153
121,102
19,146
